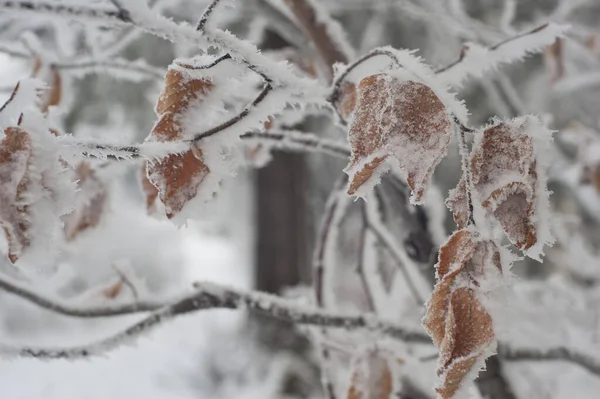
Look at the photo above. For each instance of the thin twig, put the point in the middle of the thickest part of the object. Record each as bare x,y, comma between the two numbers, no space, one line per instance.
560,353
156,73
227,124
331,208
464,49
317,30
385,238
287,141
116,15
206,14
13,52
360,269
464,158
334,96
58,306
300,141
207,66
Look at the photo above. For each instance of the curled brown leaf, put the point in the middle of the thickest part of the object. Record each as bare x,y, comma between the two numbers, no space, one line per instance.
504,174
89,203
455,319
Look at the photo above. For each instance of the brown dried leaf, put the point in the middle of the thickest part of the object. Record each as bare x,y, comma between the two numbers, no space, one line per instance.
347,99
371,378
455,319
458,204
49,75
404,120
113,290
15,161
504,150
469,333
554,59
178,176
148,189
89,203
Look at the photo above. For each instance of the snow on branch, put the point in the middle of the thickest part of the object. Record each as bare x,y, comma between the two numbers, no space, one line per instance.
205,296
475,60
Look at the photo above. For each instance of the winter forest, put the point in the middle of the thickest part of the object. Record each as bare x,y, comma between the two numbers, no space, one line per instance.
337,199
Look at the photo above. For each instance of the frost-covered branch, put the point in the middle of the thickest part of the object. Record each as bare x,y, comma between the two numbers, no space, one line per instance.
289,140
206,14
299,141
59,306
243,52
401,259
243,114
559,353
474,60
117,67
326,34
212,296
13,51
74,11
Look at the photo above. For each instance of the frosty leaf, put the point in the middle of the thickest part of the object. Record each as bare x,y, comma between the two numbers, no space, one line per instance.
51,77
554,60
15,160
468,334
112,291
399,122
371,378
509,181
89,202
148,189
177,176
455,319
